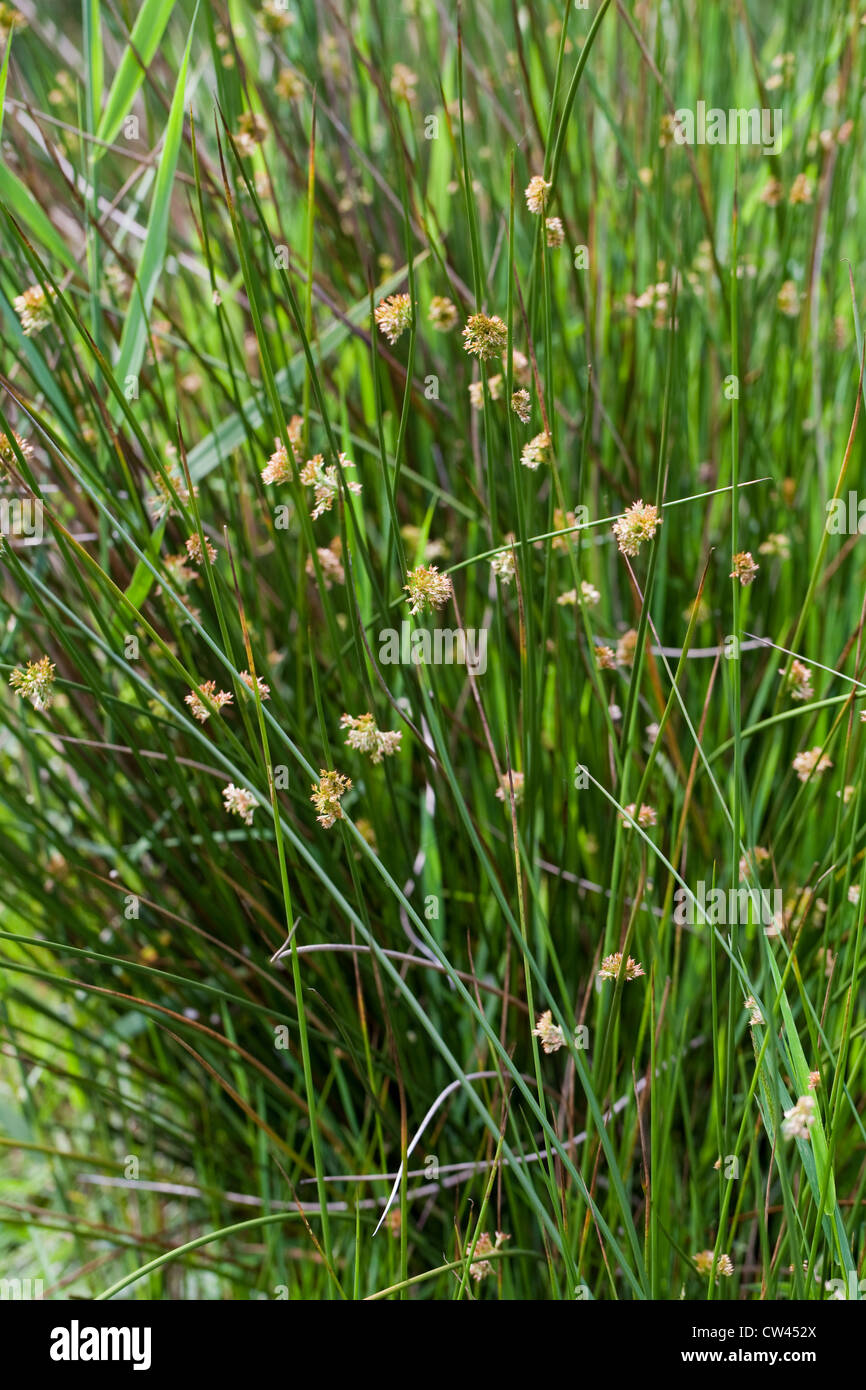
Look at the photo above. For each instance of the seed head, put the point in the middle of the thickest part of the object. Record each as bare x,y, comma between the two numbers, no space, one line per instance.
11,17
252,131
589,594
476,391
645,817
668,127
588,597
520,366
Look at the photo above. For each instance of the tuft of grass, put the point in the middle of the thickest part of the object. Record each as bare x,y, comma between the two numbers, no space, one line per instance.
409,1053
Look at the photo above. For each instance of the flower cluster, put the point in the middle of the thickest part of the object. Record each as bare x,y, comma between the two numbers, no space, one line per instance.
745,568
537,451
494,390
638,523
802,190
289,85
645,816
799,1119
484,337
35,682
554,232
194,550
252,131
394,315
212,703
179,571
503,566
8,458
252,684
626,648
610,967
588,596
327,795
776,544
278,468
403,83
364,737
759,855
810,761
655,297
275,16
480,1268
442,313
33,308
707,1264
324,479
799,681
330,560
239,802
549,1034
427,588
169,492
755,1016
536,193
515,782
